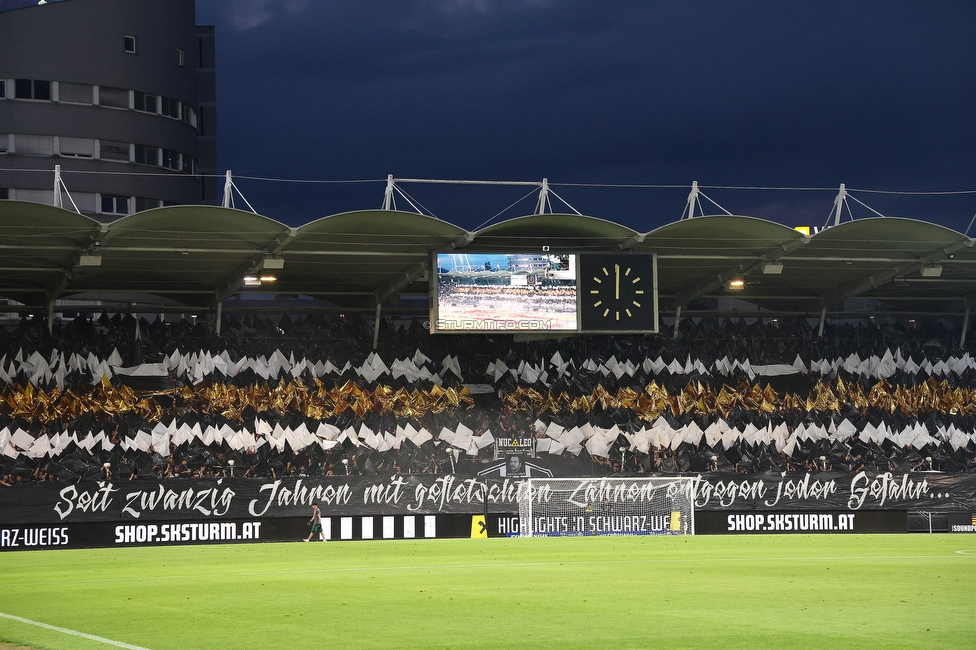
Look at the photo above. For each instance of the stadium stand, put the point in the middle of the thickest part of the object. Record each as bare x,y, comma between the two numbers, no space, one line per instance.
746,383
309,396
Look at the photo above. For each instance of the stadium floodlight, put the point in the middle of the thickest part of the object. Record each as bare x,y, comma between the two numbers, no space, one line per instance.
90,259
268,278
931,270
272,263
557,507
252,281
736,284
772,268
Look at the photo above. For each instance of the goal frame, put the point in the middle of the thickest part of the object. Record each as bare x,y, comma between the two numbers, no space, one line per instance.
620,489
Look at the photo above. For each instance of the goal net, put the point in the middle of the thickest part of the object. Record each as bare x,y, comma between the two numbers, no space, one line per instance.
552,507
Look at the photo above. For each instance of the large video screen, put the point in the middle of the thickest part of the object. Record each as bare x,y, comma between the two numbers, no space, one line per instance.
508,292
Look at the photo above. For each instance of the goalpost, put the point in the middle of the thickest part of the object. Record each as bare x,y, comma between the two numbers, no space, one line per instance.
553,507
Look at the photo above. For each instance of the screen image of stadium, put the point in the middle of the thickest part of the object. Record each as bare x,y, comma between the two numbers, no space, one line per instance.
524,291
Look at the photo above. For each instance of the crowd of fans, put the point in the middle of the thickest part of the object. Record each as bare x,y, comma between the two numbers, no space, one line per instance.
342,340
542,297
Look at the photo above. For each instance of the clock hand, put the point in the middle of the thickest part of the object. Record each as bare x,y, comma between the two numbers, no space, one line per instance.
616,268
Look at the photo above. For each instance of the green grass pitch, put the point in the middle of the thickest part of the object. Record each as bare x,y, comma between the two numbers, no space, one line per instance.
619,592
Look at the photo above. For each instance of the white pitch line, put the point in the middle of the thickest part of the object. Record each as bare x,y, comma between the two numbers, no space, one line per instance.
64,630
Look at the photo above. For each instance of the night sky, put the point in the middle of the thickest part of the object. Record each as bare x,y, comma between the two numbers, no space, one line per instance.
878,95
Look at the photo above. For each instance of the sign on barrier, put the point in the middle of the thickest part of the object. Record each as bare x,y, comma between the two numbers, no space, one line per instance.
777,523
191,511
281,529
242,499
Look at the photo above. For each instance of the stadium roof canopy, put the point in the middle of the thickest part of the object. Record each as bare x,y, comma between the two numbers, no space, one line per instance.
189,258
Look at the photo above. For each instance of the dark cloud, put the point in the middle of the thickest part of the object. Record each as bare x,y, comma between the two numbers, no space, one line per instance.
763,93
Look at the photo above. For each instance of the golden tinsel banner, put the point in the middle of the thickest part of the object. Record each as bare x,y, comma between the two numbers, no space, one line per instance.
318,402
314,401
702,399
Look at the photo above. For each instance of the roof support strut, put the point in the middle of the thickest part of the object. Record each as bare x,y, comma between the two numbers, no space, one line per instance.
686,295
60,282
229,188
858,287
965,328
235,280
376,326
400,282
59,188
693,202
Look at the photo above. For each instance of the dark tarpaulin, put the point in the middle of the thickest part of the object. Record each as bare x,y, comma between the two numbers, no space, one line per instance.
229,498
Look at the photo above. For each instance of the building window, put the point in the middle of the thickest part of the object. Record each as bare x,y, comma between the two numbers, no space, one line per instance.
32,89
35,196
129,44
3,88
147,204
113,97
180,58
34,145
170,107
171,159
108,150
84,200
188,115
146,102
147,155
115,204
75,93
77,147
